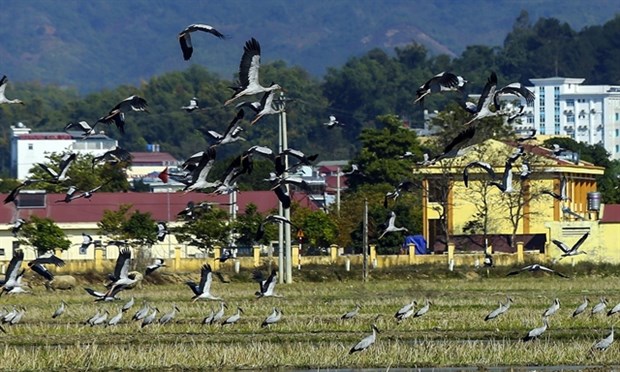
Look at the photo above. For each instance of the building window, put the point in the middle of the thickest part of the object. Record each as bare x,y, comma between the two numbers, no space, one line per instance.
570,119
30,146
617,116
530,119
617,148
570,103
617,132
31,199
2,252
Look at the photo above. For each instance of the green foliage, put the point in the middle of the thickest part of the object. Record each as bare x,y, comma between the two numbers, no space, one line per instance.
378,159
211,228
139,228
318,227
44,235
246,224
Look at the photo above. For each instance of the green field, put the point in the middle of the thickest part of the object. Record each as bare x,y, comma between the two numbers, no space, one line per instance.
311,334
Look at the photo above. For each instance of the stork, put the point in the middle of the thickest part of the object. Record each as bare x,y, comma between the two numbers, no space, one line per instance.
536,267
267,286
390,227
333,122
61,175
273,318
536,332
442,82
351,314
233,318
3,99
480,164
366,342
555,306
185,38
570,251
582,307
248,73
203,289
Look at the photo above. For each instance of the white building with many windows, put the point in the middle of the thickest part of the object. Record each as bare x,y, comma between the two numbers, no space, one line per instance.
585,113
27,148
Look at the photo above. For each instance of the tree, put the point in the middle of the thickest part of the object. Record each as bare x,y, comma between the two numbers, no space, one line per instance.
318,227
43,235
246,225
209,229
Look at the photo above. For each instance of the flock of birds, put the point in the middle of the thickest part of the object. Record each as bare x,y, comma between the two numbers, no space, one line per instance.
195,175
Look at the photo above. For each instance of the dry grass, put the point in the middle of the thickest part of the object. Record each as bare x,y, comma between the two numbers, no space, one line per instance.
311,334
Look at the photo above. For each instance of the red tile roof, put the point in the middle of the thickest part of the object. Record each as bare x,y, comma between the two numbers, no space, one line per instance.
84,210
611,213
152,158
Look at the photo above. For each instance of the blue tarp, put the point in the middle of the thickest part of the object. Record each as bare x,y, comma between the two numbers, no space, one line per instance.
419,241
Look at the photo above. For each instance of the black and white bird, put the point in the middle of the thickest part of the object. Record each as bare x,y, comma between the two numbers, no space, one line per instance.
192,106
500,310
536,332
233,318
526,170
13,273
557,149
456,147
272,218
442,82
87,240
424,309
121,277
202,290
60,310
266,106
582,307
405,311
220,314
168,317
273,318
605,343
406,185
162,231
390,227
61,175
555,306
249,66
529,137
150,318
333,122
3,99
479,164
116,319
129,304
232,132
117,114
12,196
366,342
351,314
266,286
536,267
563,195
36,265
185,38
142,312
116,156
570,251
505,185
201,172
81,126
600,307
157,263
566,211
17,226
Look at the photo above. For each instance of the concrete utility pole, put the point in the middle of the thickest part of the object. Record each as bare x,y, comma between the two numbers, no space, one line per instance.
365,241
338,174
285,212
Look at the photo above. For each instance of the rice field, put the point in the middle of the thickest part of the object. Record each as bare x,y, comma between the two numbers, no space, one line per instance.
311,334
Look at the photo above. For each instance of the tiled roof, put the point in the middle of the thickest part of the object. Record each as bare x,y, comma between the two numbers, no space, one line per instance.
611,213
162,206
158,158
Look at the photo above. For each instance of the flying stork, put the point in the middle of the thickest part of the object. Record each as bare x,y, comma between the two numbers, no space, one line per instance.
536,267
267,286
444,81
390,227
61,175
570,251
185,38
203,289
248,73
3,98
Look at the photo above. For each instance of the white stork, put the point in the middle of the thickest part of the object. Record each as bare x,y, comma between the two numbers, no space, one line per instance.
266,105
185,38
203,289
390,225
232,131
3,98
442,82
267,286
61,175
248,73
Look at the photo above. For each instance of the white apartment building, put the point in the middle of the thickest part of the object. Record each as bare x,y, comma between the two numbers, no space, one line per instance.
27,148
585,113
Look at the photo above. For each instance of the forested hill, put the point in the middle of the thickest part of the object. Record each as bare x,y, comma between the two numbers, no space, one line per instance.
98,44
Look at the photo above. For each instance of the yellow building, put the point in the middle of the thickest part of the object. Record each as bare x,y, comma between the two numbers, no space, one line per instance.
539,217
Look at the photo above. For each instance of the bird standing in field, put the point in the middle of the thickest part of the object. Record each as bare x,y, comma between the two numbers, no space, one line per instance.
185,39
116,318
168,317
600,307
605,343
424,309
233,318
351,314
61,310
582,307
149,319
3,99
500,310
555,306
405,311
536,332
249,83
366,342
273,318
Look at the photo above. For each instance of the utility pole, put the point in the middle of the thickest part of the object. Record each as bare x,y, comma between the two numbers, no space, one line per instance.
285,212
365,241
338,174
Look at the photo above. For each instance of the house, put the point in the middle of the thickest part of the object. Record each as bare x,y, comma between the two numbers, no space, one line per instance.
447,202
81,216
